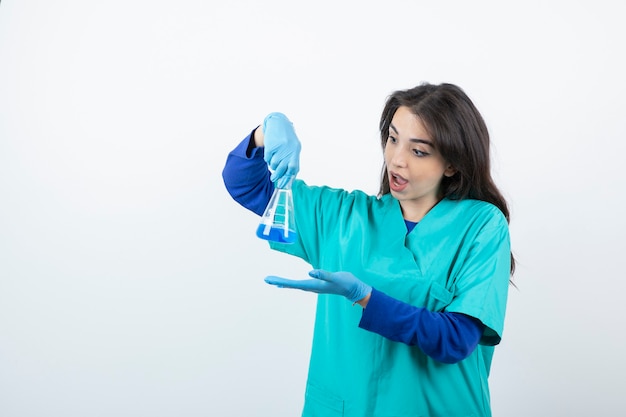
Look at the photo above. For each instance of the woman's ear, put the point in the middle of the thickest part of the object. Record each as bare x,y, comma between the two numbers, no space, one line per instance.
450,171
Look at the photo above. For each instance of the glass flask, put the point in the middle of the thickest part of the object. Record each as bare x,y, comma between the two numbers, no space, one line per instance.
277,223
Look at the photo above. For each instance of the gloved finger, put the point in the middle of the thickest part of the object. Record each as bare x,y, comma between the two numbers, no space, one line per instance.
276,119
293,166
268,156
321,275
272,158
279,171
305,285
284,181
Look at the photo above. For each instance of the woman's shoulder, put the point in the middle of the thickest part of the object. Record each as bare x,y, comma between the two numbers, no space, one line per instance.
470,211
478,206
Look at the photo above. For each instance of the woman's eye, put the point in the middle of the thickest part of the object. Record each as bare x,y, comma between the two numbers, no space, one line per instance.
392,139
417,152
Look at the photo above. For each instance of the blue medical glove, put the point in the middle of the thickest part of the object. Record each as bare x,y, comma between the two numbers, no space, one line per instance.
340,283
282,148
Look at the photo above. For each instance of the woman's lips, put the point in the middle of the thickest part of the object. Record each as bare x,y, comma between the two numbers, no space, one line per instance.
397,183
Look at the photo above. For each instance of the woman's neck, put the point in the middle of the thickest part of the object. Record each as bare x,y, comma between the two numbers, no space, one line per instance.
414,211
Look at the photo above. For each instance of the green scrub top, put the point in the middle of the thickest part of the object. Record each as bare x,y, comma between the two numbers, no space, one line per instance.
457,259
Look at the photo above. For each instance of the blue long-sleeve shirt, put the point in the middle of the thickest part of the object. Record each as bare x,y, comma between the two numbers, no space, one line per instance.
446,337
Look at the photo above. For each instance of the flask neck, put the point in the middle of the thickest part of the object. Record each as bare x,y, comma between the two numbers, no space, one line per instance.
284,183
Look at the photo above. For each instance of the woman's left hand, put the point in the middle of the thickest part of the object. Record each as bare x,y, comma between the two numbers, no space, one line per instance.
324,282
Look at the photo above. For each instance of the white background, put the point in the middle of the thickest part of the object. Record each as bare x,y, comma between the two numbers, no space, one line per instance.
132,285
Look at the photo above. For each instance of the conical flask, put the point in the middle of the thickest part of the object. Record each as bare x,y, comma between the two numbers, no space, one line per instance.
278,223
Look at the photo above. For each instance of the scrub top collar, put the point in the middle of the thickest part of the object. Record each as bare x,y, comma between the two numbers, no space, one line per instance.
396,220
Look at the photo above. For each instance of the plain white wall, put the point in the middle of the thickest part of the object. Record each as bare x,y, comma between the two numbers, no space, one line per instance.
131,284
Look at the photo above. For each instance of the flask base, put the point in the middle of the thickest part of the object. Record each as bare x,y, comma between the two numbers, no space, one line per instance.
276,234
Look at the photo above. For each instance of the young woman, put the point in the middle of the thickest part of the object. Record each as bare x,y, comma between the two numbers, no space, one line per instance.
428,260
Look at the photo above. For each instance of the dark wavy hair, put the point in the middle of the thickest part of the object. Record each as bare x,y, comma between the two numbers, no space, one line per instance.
459,134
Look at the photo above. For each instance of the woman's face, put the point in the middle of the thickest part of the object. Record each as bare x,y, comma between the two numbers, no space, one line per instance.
414,166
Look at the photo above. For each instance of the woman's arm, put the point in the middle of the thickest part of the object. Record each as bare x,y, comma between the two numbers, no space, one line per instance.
246,176
444,336
447,337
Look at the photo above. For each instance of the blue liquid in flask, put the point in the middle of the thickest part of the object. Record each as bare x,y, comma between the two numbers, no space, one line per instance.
276,234
278,223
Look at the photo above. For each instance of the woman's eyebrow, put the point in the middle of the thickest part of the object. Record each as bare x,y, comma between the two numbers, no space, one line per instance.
415,140
424,141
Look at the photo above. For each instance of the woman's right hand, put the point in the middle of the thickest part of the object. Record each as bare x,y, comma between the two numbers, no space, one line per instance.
282,148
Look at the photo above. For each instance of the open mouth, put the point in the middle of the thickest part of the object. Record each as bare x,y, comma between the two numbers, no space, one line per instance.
397,182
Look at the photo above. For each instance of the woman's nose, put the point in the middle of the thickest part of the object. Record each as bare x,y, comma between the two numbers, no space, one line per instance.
398,158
